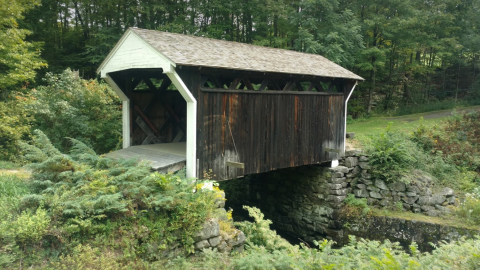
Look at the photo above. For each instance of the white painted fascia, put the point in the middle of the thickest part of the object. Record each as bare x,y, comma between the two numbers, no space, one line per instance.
191,123
161,61
346,103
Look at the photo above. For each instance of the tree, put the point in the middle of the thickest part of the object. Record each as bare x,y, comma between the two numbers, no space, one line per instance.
19,59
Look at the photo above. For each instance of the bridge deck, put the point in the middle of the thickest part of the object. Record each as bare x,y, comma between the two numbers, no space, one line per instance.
165,157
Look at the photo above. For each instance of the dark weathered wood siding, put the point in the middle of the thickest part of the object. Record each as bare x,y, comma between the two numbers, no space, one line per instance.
265,131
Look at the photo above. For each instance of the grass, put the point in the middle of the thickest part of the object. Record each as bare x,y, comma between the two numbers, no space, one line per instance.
8,165
448,220
13,185
407,123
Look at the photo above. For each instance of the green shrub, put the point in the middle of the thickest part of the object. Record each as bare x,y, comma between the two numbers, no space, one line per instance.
87,195
355,206
69,106
390,155
85,257
469,209
259,234
15,121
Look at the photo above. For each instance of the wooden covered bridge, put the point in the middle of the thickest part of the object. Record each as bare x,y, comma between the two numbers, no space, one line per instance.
224,108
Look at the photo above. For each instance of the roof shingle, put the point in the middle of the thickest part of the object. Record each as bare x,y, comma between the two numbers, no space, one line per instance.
206,52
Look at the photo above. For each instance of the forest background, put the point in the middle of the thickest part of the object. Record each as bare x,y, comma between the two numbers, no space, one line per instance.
414,55
410,52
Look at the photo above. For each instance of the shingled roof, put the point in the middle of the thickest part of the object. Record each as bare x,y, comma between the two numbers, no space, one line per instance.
206,52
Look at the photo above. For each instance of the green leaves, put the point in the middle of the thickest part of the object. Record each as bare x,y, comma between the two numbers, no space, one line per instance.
19,59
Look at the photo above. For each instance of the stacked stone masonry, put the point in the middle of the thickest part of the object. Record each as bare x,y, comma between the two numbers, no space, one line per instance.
417,196
210,236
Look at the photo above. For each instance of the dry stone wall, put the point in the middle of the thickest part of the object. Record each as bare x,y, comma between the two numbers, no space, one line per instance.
417,196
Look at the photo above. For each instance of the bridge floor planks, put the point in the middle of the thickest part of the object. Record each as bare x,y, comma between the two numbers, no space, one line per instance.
161,157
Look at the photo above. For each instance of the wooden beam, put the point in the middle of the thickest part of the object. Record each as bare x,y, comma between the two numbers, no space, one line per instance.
289,86
247,83
149,123
216,90
235,164
264,85
136,82
299,86
150,135
234,84
331,150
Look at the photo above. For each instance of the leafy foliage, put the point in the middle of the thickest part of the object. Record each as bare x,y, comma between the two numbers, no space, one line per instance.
18,58
355,206
259,234
390,156
69,106
118,205
16,123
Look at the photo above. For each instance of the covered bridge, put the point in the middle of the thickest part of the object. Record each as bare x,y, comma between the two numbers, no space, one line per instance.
227,109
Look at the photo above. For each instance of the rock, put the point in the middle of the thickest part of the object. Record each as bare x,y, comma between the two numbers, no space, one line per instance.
372,201
413,189
398,186
448,192
340,169
350,135
239,239
423,200
411,194
238,249
210,229
351,162
337,175
214,241
406,206
360,193
340,192
334,186
433,213
384,202
375,195
221,214
336,199
221,247
401,194
416,209
338,180
410,200
363,158
451,200
364,165
385,192
380,184
427,208
437,199
361,186
366,175
428,192
344,184
365,181
443,209
352,152
201,245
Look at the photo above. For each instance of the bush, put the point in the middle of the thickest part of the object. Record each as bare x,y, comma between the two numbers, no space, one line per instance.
354,206
69,106
258,233
469,209
87,195
15,121
390,155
